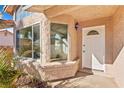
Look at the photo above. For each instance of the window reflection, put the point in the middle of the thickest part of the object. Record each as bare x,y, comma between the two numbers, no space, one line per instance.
36,40
28,42
59,46
25,42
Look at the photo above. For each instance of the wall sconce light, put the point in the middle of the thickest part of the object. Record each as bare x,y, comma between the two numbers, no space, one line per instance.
77,26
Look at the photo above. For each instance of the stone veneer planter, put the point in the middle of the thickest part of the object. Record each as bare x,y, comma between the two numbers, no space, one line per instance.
50,71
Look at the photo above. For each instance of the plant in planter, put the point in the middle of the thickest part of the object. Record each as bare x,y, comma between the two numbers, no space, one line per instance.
11,76
7,72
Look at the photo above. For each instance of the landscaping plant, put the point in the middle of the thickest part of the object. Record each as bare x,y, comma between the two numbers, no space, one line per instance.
7,71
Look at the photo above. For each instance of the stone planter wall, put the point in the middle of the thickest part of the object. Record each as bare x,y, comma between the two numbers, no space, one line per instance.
50,71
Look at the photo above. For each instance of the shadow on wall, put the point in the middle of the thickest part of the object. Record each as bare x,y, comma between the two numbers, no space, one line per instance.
118,50
94,62
98,62
118,68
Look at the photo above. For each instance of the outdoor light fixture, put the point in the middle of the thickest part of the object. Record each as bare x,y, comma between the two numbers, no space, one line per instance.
77,26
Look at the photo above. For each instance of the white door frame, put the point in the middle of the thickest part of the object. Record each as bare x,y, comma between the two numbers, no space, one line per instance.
84,31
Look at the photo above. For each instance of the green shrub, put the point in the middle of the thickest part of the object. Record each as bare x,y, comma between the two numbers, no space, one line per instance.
7,72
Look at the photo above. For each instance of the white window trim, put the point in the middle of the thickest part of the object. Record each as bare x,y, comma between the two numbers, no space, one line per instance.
31,25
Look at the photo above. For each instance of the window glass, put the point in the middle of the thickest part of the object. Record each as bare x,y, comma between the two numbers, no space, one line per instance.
59,44
28,42
24,42
93,32
36,41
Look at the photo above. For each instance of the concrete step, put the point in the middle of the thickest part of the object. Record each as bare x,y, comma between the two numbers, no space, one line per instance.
87,70
95,72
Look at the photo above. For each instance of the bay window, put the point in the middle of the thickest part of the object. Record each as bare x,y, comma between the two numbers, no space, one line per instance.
59,44
28,42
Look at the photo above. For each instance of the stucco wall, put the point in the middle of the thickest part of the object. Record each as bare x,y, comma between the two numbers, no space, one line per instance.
118,46
108,37
6,39
118,32
29,20
114,44
114,39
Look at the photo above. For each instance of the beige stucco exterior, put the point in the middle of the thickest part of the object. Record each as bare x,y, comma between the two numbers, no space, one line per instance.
118,46
6,39
118,31
114,39
114,42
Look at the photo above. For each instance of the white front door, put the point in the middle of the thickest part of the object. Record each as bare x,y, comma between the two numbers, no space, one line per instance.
93,48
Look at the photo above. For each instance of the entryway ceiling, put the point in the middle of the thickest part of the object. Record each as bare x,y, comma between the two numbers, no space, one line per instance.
79,12
92,12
